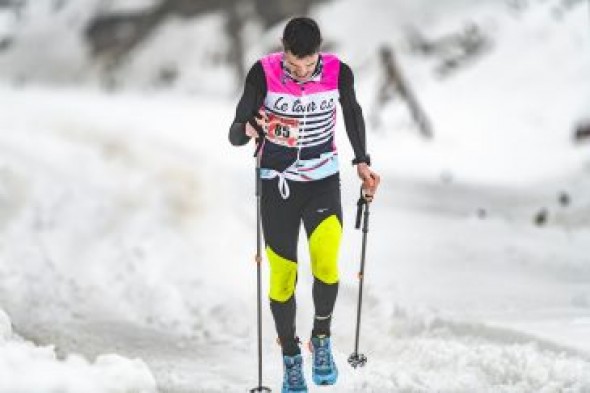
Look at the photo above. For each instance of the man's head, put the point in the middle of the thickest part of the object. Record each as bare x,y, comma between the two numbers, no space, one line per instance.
301,42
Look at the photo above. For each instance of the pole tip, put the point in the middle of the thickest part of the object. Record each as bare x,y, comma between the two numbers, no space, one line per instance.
357,360
260,389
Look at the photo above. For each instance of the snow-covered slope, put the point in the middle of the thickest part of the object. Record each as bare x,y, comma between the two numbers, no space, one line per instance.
126,226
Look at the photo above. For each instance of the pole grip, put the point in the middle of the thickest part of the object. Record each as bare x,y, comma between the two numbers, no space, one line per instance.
360,205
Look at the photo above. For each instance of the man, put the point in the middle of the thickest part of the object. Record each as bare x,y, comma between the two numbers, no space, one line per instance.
290,99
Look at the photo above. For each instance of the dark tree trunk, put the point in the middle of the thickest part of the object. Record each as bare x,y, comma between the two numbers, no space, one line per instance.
394,84
582,132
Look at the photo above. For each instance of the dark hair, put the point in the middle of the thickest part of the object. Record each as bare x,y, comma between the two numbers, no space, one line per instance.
302,37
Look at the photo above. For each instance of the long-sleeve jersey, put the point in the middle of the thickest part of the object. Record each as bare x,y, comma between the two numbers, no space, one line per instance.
300,139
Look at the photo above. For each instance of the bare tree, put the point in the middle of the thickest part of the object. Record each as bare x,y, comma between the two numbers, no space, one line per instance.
394,85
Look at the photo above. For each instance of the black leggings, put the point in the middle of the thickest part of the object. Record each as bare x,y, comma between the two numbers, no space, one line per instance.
317,204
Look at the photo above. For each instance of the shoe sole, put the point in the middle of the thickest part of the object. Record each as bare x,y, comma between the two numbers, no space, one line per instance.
325,381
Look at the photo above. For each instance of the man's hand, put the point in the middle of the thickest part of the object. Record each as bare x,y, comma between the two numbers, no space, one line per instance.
370,180
262,121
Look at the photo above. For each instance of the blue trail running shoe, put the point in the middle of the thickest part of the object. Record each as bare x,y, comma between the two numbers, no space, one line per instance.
293,379
324,370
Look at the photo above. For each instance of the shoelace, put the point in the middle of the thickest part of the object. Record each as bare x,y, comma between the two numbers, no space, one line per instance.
294,375
322,356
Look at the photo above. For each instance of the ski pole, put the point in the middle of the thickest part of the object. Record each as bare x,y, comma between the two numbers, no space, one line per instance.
358,359
258,260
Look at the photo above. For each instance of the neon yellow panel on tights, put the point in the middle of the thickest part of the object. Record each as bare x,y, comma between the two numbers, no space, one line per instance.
324,244
283,275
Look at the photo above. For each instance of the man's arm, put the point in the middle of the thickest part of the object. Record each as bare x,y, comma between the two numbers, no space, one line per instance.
353,115
248,106
355,128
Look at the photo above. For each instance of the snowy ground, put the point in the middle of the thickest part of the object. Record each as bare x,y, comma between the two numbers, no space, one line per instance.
126,227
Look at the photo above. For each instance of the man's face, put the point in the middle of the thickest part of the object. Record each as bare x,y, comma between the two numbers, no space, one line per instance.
301,68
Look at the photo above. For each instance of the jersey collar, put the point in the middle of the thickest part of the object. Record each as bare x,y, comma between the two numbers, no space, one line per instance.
315,77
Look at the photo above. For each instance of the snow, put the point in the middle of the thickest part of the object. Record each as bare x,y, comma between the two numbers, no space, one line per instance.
127,5
25,367
127,220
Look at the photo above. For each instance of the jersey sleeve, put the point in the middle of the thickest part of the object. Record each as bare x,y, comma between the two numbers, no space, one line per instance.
250,102
353,115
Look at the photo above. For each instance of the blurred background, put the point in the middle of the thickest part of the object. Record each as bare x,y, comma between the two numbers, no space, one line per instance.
127,221
182,44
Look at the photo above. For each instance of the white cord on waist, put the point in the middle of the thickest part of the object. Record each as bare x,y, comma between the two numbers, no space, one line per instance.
284,189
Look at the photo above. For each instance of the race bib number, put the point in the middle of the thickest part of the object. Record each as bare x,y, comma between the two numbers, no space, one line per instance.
283,130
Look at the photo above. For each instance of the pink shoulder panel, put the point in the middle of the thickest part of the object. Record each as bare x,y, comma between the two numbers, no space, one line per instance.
274,74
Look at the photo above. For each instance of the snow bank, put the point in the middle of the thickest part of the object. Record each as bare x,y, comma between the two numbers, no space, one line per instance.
447,365
27,368
130,231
